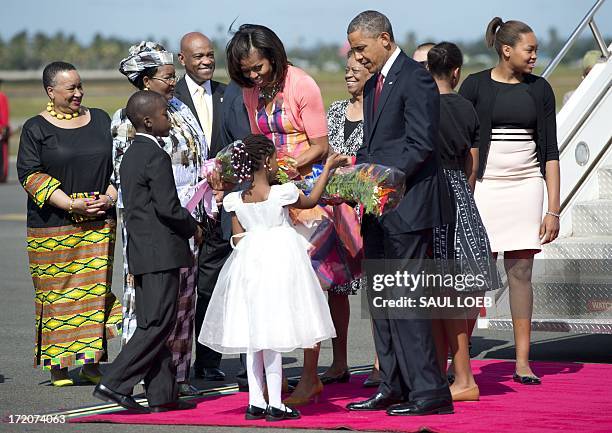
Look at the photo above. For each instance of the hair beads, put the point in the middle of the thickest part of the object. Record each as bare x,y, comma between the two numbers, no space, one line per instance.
249,154
241,163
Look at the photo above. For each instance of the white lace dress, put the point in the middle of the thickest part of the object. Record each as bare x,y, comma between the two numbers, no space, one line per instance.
267,295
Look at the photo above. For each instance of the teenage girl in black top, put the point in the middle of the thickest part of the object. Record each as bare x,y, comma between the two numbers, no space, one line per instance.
518,149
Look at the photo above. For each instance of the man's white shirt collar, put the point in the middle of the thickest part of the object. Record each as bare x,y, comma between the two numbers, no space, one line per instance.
385,70
193,86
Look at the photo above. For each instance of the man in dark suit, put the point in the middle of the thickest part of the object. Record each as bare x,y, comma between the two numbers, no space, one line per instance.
204,97
401,113
158,232
234,117
234,126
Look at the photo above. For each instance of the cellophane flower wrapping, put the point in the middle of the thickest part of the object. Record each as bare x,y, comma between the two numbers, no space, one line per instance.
377,188
222,163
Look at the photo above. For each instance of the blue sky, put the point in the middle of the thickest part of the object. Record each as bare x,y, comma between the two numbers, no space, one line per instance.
296,22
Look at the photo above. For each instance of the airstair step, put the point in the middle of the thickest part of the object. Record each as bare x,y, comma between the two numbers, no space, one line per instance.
604,180
579,248
592,218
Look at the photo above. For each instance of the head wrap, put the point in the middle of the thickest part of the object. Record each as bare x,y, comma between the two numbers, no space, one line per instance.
143,56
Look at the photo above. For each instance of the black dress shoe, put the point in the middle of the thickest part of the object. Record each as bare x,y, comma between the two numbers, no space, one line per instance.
526,380
274,414
175,405
187,390
437,406
209,373
214,373
125,401
343,378
378,401
254,412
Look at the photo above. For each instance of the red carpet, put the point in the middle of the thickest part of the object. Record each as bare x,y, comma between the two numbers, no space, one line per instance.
573,398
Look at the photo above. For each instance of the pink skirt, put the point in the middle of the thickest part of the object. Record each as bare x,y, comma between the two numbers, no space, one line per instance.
510,195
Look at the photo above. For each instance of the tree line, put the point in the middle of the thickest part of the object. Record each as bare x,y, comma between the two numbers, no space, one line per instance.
25,51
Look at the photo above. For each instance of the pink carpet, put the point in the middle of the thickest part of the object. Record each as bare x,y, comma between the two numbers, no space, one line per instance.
573,398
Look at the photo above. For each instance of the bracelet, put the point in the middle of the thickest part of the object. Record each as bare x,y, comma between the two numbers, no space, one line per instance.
71,205
112,200
553,214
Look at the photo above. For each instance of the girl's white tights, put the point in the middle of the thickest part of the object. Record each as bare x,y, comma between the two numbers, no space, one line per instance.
272,362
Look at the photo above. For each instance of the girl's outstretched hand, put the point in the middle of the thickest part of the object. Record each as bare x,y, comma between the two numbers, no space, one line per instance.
335,160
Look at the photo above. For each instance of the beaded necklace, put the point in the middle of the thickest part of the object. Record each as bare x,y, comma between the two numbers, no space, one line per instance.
269,93
60,116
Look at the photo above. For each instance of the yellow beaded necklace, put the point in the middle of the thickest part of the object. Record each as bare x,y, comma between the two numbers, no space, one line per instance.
60,116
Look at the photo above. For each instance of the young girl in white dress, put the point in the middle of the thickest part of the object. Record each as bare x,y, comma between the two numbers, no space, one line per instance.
267,299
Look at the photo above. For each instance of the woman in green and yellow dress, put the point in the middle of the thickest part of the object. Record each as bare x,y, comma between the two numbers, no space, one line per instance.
64,164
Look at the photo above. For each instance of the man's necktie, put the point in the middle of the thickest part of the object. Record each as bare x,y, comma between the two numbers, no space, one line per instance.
379,86
203,113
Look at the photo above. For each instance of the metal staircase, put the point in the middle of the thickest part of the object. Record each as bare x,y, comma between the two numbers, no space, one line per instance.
572,276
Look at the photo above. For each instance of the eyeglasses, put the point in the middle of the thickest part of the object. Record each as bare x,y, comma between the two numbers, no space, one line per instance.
169,81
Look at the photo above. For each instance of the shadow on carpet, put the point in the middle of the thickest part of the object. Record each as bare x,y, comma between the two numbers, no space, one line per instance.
573,397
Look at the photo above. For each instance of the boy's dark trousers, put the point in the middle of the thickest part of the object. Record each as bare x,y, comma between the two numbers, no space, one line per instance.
146,355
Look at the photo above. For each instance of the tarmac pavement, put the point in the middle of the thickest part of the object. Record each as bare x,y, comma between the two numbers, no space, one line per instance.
26,390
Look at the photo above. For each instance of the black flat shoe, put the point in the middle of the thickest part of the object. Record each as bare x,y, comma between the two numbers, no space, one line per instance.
526,380
371,383
274,414
438,406
125,401
293,381
187,390
378,401
175,405
254,412
343,378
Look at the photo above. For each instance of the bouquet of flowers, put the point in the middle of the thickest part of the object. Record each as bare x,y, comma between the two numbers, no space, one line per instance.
287,168
376,187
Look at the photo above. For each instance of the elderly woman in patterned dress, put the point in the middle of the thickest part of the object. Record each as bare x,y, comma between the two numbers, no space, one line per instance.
345,123
150,67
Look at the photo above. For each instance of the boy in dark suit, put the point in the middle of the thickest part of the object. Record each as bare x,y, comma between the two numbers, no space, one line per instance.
158,232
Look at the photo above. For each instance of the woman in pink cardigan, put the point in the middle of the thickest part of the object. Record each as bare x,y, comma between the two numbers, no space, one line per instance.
284,103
